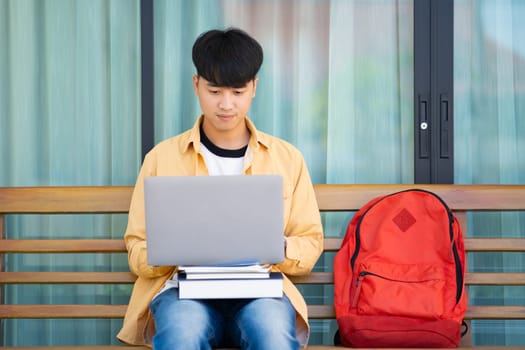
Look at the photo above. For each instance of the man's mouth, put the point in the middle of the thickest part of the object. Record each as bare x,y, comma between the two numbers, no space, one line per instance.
225,116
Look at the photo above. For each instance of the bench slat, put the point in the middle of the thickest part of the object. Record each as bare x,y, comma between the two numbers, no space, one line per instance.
473,312
458,197
495,244
330,197
471,278
309,347
67,277
102,347
56,200
314,311
117,278
118,246
62,246
89,347
495,278
62,311
471,244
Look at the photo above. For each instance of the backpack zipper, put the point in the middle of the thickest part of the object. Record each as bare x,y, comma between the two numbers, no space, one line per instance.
363,274
359,283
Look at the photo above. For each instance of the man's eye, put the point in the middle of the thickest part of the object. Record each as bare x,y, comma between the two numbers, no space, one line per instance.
214,92
239,92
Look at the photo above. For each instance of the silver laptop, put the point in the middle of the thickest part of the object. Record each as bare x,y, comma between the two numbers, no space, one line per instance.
214,220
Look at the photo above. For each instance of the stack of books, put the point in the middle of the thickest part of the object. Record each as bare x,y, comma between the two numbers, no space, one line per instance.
229,282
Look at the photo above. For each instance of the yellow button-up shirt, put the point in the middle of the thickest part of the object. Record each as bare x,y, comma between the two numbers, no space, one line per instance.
181,155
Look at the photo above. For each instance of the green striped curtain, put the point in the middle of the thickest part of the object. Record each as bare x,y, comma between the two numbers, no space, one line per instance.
69,115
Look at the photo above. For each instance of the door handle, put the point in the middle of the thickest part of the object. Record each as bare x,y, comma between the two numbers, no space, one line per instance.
424,128
444,134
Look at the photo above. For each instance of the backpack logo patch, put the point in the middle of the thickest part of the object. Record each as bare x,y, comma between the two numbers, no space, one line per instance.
404,220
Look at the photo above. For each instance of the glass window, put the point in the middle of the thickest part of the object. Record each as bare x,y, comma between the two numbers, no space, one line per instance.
341,69
489,104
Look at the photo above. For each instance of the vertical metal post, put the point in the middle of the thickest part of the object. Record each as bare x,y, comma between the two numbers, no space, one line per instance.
147,75
433,91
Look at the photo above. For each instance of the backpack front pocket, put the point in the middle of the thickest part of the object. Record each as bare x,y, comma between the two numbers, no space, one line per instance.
399,290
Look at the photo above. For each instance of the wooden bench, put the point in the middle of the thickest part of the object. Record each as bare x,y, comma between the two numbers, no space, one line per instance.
336,198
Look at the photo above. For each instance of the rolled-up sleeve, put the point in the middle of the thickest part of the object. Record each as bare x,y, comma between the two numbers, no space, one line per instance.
135,236
303,231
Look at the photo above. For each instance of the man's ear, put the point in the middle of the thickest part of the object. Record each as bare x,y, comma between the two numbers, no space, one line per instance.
195,83
255,81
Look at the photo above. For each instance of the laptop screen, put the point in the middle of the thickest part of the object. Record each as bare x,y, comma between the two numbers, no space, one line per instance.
214,220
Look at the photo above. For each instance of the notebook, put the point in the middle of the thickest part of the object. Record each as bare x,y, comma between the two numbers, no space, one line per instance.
269,287
214,220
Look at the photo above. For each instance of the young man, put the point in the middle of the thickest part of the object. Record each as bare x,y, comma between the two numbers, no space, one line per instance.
224,141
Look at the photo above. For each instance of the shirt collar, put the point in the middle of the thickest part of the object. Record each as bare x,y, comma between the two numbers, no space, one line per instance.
192,137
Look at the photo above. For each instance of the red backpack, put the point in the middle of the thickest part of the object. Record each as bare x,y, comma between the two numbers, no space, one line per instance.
399,274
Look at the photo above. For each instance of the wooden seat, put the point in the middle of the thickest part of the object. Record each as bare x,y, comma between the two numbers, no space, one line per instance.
331,198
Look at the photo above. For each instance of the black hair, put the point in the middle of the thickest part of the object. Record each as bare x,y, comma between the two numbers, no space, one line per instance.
229,58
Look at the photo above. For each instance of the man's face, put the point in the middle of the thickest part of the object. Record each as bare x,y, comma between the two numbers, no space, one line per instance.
224,108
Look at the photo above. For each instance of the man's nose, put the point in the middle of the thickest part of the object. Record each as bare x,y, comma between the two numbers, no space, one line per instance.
226,101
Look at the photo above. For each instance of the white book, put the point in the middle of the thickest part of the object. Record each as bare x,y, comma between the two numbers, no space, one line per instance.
223,275
245,288
225,269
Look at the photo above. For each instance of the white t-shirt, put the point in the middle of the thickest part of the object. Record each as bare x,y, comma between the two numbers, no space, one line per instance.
218,165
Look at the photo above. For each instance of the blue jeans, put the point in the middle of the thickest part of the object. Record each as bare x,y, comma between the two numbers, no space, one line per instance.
265,323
